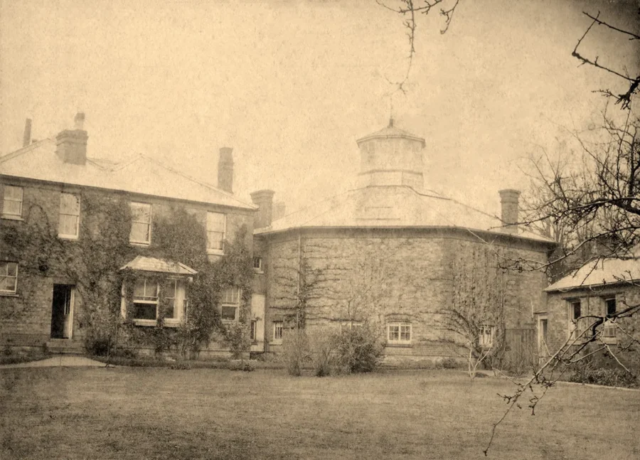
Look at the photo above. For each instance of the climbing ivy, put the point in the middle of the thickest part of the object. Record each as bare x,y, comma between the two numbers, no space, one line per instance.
93,263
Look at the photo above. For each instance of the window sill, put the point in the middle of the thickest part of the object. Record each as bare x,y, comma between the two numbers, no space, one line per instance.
154,323
215,252
140,244
8,294
68,237
258,271
399,345
10,217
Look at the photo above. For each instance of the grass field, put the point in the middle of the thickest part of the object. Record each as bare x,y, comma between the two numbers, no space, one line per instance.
136,413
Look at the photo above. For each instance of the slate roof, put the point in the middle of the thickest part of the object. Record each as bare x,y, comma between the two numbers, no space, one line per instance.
141,174
152,264
391,207
598,273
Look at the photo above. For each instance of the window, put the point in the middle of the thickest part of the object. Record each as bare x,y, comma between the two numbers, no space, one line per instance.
610,307
145,299
575,313
609,331
257,264
216,224
140,223
69,224
486,336
253,333
399,333
12,205
169,291
278,327
8,277
230,304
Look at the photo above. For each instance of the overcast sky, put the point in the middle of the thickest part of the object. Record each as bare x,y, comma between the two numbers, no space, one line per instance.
290,85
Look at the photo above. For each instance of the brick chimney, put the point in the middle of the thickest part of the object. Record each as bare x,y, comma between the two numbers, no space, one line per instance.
509,201
278,210
26,139
264,200
225,169
72,143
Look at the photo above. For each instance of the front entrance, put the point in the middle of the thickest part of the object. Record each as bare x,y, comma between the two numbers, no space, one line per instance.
62,311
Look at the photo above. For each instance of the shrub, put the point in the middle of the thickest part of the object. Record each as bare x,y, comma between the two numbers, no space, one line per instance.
98,344
322,348
358,349
607,377
447,363
245,366
295,351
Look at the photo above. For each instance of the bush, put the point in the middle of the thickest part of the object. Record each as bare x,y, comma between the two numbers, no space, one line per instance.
245,366
358,349
98,345
295,351
607,377
447,363
322,348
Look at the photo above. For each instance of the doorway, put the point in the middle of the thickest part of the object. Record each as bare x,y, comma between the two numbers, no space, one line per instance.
543,330
62,311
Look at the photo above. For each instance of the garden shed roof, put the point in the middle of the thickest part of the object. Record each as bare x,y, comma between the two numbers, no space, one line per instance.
598,273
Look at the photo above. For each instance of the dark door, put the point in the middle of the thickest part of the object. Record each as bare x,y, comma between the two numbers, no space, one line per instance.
62,312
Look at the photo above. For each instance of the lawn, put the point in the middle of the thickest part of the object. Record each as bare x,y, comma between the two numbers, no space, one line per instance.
135,413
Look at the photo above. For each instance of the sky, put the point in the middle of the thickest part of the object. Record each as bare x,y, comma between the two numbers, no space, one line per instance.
291,85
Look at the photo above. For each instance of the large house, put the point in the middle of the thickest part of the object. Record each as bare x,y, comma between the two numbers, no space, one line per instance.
86,243
398,254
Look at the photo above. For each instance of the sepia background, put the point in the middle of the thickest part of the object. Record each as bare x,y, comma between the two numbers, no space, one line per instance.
290,85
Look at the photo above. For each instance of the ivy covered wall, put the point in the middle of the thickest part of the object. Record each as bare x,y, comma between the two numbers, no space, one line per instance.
92,263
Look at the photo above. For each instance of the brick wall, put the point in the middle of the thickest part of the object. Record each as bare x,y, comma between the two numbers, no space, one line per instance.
26,316
399,276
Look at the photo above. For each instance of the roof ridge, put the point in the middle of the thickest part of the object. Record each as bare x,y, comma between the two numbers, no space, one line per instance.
25,149
192,179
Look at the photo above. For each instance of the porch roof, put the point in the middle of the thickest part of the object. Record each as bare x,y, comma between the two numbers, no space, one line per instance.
153,264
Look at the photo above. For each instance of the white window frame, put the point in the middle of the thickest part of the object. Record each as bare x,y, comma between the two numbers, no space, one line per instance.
257,264
178,314
572,323
231,298
487,335
402,330
219,247
278,331
147,242
12,215
4,274
77,216
609,328
253,331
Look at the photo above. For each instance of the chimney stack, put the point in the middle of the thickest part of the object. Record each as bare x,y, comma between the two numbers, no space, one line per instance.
278,210
264,200
225,169
509,199
72,143
26,139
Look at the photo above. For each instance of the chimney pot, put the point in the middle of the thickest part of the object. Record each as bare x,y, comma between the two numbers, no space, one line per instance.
509,200
26,140
78,121
225,169
264,200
